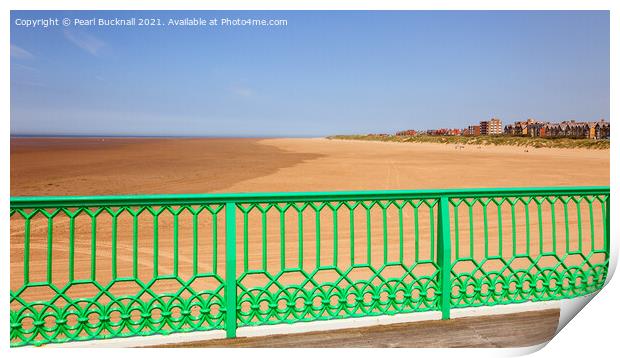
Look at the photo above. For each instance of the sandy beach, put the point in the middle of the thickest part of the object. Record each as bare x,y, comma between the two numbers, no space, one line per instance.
113,166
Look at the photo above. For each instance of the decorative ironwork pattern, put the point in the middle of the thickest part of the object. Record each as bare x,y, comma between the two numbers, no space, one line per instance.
332,281
564,252
122,303
100,267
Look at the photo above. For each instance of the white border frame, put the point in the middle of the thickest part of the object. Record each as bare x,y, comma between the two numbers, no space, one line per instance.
592,332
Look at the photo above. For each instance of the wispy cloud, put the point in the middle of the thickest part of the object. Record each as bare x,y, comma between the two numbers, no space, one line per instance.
28,83
20,53
242,91
85,41
23,67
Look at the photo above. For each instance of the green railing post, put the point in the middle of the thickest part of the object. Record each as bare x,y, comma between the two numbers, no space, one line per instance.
607,226
231,274
443,255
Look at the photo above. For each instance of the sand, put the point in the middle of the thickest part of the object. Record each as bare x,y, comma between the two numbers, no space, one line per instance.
131,166
112,166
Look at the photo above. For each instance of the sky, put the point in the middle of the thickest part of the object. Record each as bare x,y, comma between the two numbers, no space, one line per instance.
325,72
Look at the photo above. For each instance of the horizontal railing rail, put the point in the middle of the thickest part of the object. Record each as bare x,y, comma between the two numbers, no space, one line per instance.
94,267
189,199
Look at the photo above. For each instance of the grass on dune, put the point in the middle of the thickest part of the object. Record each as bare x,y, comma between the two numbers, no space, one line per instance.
534,142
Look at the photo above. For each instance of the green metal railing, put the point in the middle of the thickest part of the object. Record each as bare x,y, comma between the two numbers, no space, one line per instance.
116,266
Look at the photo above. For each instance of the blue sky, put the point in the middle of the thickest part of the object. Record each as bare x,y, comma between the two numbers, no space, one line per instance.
324,73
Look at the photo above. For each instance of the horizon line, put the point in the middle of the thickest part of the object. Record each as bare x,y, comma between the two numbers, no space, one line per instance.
44,135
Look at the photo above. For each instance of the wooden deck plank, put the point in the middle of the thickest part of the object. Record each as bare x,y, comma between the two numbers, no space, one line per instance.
496,331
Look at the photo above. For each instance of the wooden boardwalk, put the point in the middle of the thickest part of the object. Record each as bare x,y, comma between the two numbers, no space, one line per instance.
497,331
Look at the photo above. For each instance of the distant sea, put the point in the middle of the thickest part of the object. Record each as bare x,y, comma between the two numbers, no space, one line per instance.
157,136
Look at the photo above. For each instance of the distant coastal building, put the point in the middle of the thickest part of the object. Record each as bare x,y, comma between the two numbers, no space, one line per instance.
473,131
491,127
601,130
444,131
522,128
408,133
569,129
528,128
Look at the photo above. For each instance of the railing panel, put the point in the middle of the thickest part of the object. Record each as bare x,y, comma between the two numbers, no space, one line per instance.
80,273
101,267
318,260
511,249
